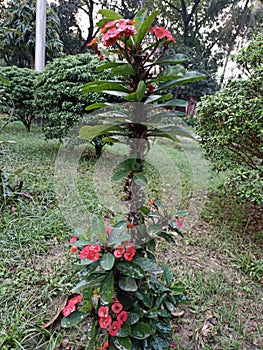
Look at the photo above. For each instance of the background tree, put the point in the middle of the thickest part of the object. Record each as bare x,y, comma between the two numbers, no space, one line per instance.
230,126
58,97
18,44
17,96
209,31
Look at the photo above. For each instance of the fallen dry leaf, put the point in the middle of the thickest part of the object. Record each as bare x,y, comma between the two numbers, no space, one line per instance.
177,314
53,319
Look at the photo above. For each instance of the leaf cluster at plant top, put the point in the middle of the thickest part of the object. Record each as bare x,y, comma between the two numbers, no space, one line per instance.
130,305
230,126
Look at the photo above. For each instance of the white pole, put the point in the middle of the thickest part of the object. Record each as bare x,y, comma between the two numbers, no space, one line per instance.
40,35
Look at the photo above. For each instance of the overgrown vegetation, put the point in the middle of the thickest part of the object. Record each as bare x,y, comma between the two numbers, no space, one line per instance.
225,309
230,127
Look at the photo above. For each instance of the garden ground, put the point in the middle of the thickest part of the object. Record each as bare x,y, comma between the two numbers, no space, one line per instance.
219,260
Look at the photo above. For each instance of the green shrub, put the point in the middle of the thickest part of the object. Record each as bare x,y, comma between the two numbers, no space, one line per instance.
230,126
58,92
17,96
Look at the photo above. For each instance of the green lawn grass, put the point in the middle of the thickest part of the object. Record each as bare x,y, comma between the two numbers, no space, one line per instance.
219,260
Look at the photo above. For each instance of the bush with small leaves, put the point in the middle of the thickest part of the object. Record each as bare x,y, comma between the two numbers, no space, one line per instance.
17,95
58,95
230,127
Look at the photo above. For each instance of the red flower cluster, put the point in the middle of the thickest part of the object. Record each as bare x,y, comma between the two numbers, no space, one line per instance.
179,223
106,320
162,33
73,249
113,30
90,252
71,305
128,253
104,346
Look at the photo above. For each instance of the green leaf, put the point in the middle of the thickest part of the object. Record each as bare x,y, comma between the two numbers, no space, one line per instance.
160,133
168,237
95,105
73,319
189,77
154,229
107,261
129,268
180,213
156,98
79,285
122,343
148,265
98,228
170,73
107,288
144,24
173,59
99,86
124,69
133,318
140,179
128,284
3,79
109,140
109,14
118,235
124,331
157,285
118,175
160,344
138,95
89,132
108,65
95,280
140,330
167,275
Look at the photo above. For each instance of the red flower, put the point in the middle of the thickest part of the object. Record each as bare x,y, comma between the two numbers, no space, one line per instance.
105,322
118,253
115,300
90,252
129,254
179,223
74,249
109,25
68,309
161,33
130,225
116,307
103,311
105,346
114,328
122,317
73,239
150,88
92,42
110,37
75,300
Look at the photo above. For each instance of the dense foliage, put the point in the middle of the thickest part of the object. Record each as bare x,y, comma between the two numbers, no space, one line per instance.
18,94
58,95
230,126
18,42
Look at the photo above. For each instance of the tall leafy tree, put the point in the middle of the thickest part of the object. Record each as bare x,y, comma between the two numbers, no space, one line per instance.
209,30
18,44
